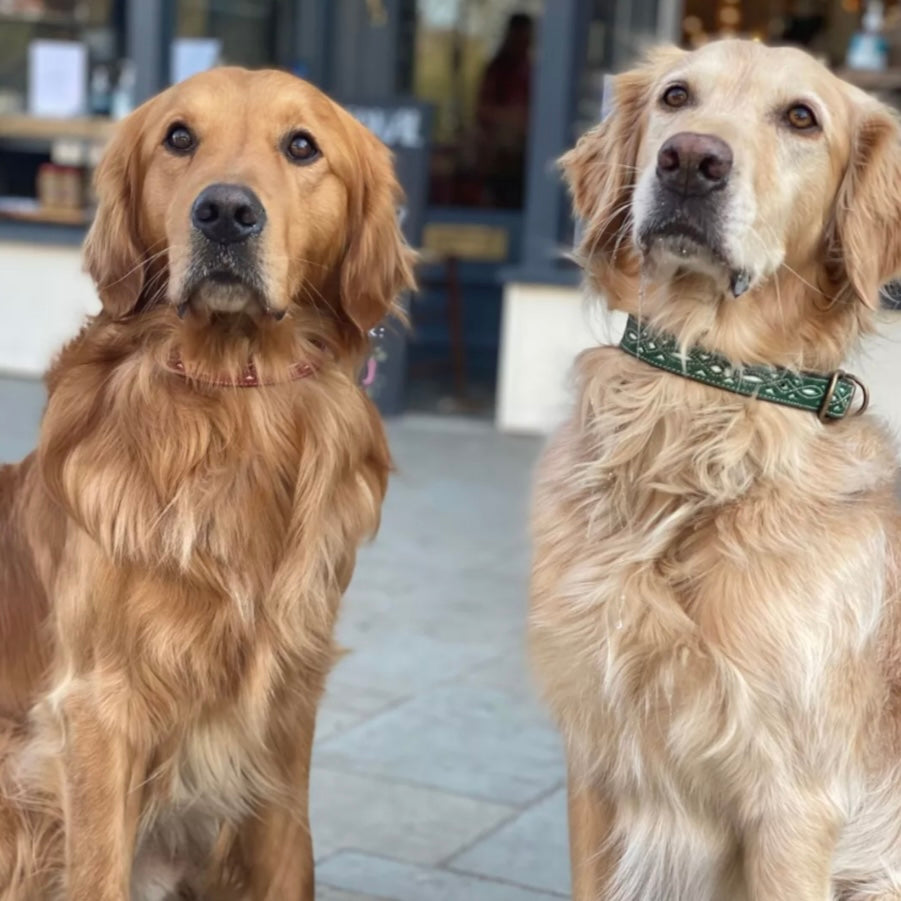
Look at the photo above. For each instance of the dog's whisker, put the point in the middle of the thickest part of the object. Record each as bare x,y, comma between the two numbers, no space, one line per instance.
145,259
786,266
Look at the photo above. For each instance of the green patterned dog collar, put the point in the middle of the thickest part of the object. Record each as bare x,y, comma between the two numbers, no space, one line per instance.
829,396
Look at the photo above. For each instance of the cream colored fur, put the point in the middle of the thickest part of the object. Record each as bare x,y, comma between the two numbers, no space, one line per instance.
715,594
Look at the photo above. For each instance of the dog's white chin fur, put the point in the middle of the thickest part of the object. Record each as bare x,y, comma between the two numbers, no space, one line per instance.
217,297
664,259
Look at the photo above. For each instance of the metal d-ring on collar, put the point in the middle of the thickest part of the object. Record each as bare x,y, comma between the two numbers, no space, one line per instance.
834,379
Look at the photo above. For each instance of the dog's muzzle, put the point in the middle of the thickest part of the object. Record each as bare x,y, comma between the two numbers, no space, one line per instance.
689,195
224,276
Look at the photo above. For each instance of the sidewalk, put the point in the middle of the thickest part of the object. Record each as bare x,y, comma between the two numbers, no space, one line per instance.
436,776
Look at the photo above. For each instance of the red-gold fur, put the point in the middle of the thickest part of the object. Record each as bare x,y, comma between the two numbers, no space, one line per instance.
715,601
173,554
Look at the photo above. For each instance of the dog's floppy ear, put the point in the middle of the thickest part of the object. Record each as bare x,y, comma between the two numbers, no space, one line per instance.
600,169
378,263
113,254
864,238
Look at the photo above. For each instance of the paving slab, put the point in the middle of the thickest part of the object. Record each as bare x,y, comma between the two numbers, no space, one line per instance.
345,704
480,742
21,405
353,871
531,850
327,893
397,820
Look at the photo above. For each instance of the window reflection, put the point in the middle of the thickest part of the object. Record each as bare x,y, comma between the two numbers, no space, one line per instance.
249,32
474,63
100,24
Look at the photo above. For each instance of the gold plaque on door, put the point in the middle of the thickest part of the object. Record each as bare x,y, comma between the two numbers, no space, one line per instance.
476,243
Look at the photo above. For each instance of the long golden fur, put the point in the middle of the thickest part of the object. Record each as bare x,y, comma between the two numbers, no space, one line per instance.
715,595
173,554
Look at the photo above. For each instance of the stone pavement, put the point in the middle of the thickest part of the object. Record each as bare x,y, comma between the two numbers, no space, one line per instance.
436,777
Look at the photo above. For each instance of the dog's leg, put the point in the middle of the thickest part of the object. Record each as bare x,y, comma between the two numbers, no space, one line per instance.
789,858
590,823
278,846
102,790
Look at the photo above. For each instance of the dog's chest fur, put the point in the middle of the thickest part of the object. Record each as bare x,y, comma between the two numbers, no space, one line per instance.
206,576
684,625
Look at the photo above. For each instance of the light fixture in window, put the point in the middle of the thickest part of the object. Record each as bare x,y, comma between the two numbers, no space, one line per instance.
730,16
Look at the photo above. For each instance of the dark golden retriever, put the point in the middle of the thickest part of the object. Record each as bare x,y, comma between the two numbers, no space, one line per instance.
716,619
173,554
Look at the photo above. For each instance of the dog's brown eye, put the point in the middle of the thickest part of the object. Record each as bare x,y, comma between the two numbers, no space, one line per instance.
180,139
801,117
301,148
675,96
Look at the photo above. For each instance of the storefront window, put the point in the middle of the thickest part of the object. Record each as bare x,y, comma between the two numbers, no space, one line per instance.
241,32
62,74
474,63
823,27
614,36
93,29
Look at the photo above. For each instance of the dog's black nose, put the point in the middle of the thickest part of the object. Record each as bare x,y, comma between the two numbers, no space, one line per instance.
691,163
228,214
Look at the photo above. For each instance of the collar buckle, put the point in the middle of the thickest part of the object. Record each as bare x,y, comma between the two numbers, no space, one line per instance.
823,413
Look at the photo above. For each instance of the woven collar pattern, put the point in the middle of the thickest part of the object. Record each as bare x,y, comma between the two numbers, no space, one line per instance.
829,396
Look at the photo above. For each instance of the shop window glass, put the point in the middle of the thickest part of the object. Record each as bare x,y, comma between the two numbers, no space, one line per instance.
62,71
822,27
473,61
248,32
98,25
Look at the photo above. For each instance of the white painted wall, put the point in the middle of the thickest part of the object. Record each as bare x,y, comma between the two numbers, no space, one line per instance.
545,326
44,296
878,364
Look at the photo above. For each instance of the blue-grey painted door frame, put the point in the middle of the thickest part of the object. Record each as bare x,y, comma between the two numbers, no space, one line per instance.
150,25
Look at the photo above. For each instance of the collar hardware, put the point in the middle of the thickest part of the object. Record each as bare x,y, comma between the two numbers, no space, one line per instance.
830,396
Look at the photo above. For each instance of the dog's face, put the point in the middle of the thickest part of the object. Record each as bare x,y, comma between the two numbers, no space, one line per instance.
246,184
740,161
242,192
736,161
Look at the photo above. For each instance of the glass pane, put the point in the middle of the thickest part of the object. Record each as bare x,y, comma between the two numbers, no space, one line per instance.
59,60
98,24
822,27
247,30
474,63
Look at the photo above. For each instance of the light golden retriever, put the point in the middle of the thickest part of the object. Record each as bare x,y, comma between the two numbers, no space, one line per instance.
173,554
715,597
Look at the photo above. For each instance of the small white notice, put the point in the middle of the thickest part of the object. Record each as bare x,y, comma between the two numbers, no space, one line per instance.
57,78
193,55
